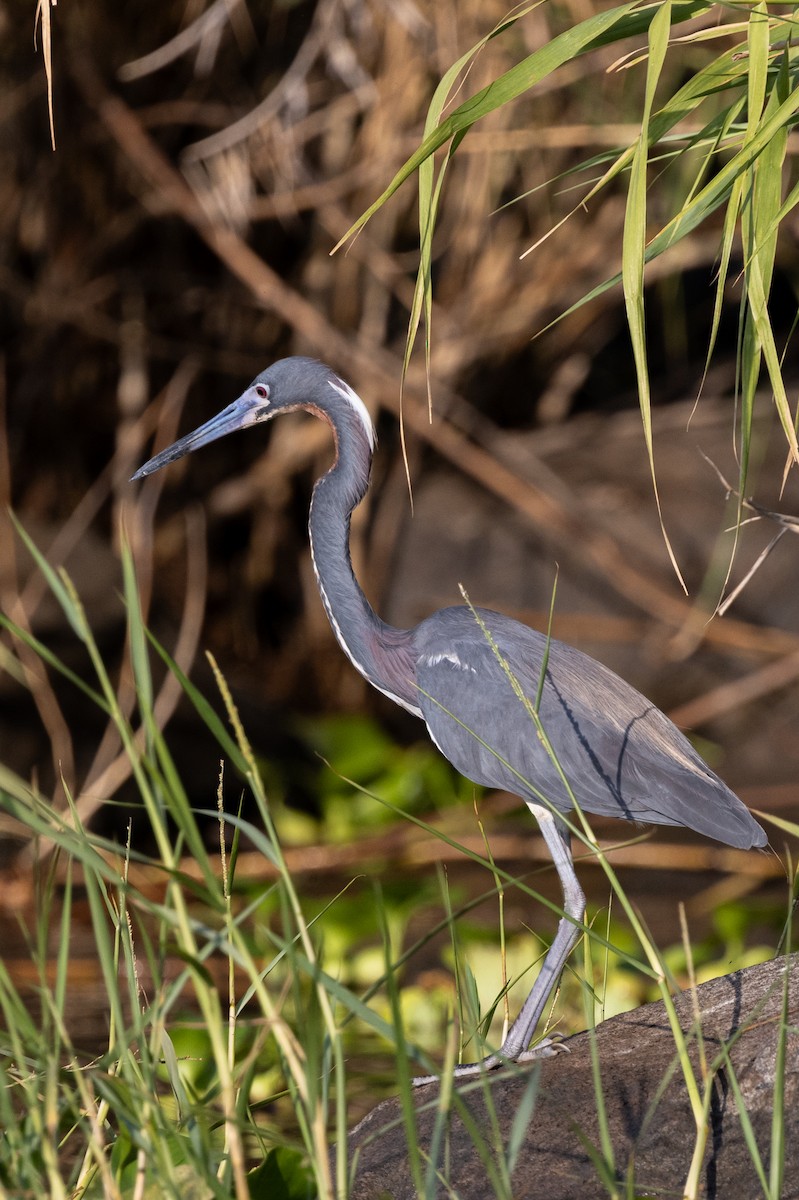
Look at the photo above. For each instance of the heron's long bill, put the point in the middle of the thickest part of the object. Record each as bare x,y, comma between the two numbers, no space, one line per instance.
238,415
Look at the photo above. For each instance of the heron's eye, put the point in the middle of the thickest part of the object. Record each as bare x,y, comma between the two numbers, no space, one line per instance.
261,391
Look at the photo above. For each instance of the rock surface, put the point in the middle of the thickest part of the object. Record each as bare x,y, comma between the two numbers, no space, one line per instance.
646,1101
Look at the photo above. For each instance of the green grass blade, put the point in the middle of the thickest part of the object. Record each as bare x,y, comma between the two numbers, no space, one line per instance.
46,655
55,581
779,1129
137,634
203,708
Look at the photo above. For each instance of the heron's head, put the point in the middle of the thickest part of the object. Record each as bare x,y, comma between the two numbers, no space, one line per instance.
289,384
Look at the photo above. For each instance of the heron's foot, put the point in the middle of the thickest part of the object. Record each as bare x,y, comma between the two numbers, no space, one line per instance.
547,1048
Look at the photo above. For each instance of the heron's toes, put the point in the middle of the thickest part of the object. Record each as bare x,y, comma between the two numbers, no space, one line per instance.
421,1080
546,1048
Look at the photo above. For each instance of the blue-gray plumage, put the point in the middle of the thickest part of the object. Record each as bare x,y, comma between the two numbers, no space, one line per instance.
474,677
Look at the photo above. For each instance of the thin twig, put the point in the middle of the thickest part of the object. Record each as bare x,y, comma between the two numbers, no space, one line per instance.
203,33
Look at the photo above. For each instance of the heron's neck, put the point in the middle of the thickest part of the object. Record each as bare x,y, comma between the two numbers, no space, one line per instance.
379,651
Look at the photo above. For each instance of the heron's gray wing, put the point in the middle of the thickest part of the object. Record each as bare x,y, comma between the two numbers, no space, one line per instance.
481,725
620,755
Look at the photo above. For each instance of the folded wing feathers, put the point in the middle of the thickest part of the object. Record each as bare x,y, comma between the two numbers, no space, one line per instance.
620,754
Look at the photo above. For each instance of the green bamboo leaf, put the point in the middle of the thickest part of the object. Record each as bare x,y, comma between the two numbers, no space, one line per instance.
788,205
429,198
723,74
763,202
727,243
716,191
627,20
705,203
634,251
430,188
757,72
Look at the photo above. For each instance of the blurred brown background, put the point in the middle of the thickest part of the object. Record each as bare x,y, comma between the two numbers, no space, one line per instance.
178,239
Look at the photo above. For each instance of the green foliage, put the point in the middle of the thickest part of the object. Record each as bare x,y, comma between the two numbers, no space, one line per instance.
140,1116
716,143
281,1176
232,1007
413,779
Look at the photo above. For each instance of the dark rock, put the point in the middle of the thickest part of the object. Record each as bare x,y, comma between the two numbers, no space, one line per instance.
649,1116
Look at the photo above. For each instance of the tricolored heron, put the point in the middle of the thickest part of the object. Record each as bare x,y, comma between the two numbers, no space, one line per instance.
473,675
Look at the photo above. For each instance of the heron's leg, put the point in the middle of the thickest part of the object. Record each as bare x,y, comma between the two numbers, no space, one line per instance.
556,836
